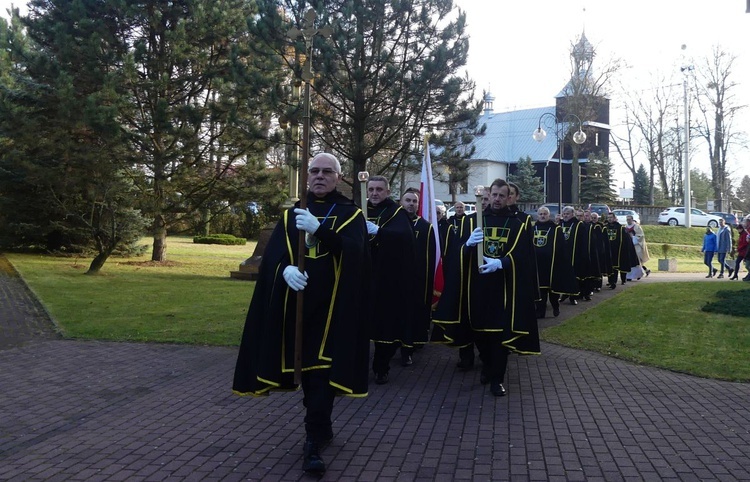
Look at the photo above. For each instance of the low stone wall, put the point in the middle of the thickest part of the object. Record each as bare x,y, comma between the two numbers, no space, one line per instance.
648,214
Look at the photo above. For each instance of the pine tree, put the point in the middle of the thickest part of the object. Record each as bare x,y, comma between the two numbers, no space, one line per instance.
532,188
390,73
63,163
641,194
597,185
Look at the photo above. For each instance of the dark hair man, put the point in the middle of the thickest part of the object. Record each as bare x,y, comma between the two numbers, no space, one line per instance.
393,250
501,291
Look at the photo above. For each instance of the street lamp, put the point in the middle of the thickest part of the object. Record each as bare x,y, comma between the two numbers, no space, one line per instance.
686,184
579,137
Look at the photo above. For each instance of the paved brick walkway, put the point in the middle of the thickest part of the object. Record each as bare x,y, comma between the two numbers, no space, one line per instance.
73,410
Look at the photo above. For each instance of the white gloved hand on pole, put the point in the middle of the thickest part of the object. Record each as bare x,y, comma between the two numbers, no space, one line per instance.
296,280
305,221
372,228
490,265
476,237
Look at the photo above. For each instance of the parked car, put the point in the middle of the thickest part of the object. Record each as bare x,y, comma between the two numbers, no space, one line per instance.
622,215
675,216
468,209
730,218
601,209
553,210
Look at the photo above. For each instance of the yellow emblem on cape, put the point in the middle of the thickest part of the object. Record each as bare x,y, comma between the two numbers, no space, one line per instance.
612,233
494,241
540,238
566,231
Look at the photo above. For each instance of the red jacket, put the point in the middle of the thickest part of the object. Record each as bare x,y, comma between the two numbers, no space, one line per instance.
742,243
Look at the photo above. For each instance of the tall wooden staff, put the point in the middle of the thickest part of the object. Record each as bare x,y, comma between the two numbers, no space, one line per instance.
363,177
308,32
479,193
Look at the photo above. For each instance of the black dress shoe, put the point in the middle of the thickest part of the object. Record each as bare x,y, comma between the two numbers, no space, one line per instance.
556,311
612,286
586,298
406,361
381,378
311,461
497,389
465,365
715,271
563,297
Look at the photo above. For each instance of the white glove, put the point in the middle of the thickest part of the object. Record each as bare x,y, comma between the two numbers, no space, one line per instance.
635,240
296,280
477,236
306,221
372,228
490,265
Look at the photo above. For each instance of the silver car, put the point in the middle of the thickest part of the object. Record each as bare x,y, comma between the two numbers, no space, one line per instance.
622,215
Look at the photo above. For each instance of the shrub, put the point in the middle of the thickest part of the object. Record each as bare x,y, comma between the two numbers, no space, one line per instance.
226,239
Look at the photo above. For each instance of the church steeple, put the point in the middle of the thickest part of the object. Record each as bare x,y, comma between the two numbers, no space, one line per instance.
489,99
583,52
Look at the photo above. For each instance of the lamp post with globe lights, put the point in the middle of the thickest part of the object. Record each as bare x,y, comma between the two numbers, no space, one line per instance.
562,128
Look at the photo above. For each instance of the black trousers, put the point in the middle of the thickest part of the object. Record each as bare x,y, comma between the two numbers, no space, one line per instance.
541,305
613,277
382,357
494,355
318,400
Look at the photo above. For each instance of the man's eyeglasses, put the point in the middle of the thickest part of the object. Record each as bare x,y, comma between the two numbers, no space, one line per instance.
327,171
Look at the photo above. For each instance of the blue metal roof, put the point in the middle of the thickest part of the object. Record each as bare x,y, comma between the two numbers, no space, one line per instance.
508,136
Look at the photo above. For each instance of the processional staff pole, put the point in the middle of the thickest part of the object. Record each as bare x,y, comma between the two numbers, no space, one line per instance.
363,177
479,193
308,32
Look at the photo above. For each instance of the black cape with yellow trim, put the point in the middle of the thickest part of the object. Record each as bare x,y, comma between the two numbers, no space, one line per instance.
605,257
449,321
577,240
621,248
552,259
393,287
334,305
503,301
424,282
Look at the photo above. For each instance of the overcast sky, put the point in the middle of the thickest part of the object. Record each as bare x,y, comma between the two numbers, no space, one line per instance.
520,49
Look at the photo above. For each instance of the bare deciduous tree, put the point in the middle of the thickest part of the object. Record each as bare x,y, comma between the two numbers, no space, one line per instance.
718,107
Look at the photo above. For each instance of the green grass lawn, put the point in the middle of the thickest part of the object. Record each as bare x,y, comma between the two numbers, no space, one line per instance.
192,299
664,325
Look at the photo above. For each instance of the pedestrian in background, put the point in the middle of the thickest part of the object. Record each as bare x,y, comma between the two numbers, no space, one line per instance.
708,250
724,246
743,229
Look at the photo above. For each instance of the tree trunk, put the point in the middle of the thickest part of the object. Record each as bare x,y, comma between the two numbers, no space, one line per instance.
98,262
160,239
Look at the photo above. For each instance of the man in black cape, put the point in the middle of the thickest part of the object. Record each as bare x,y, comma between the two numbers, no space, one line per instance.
392,246
621,250
500,293
450,322
577,241
335,347
424,274
555,272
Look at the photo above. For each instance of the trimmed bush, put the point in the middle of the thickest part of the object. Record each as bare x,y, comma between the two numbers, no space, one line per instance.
225,239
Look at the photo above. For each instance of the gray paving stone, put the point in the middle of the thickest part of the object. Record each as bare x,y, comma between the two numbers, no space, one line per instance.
74,410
